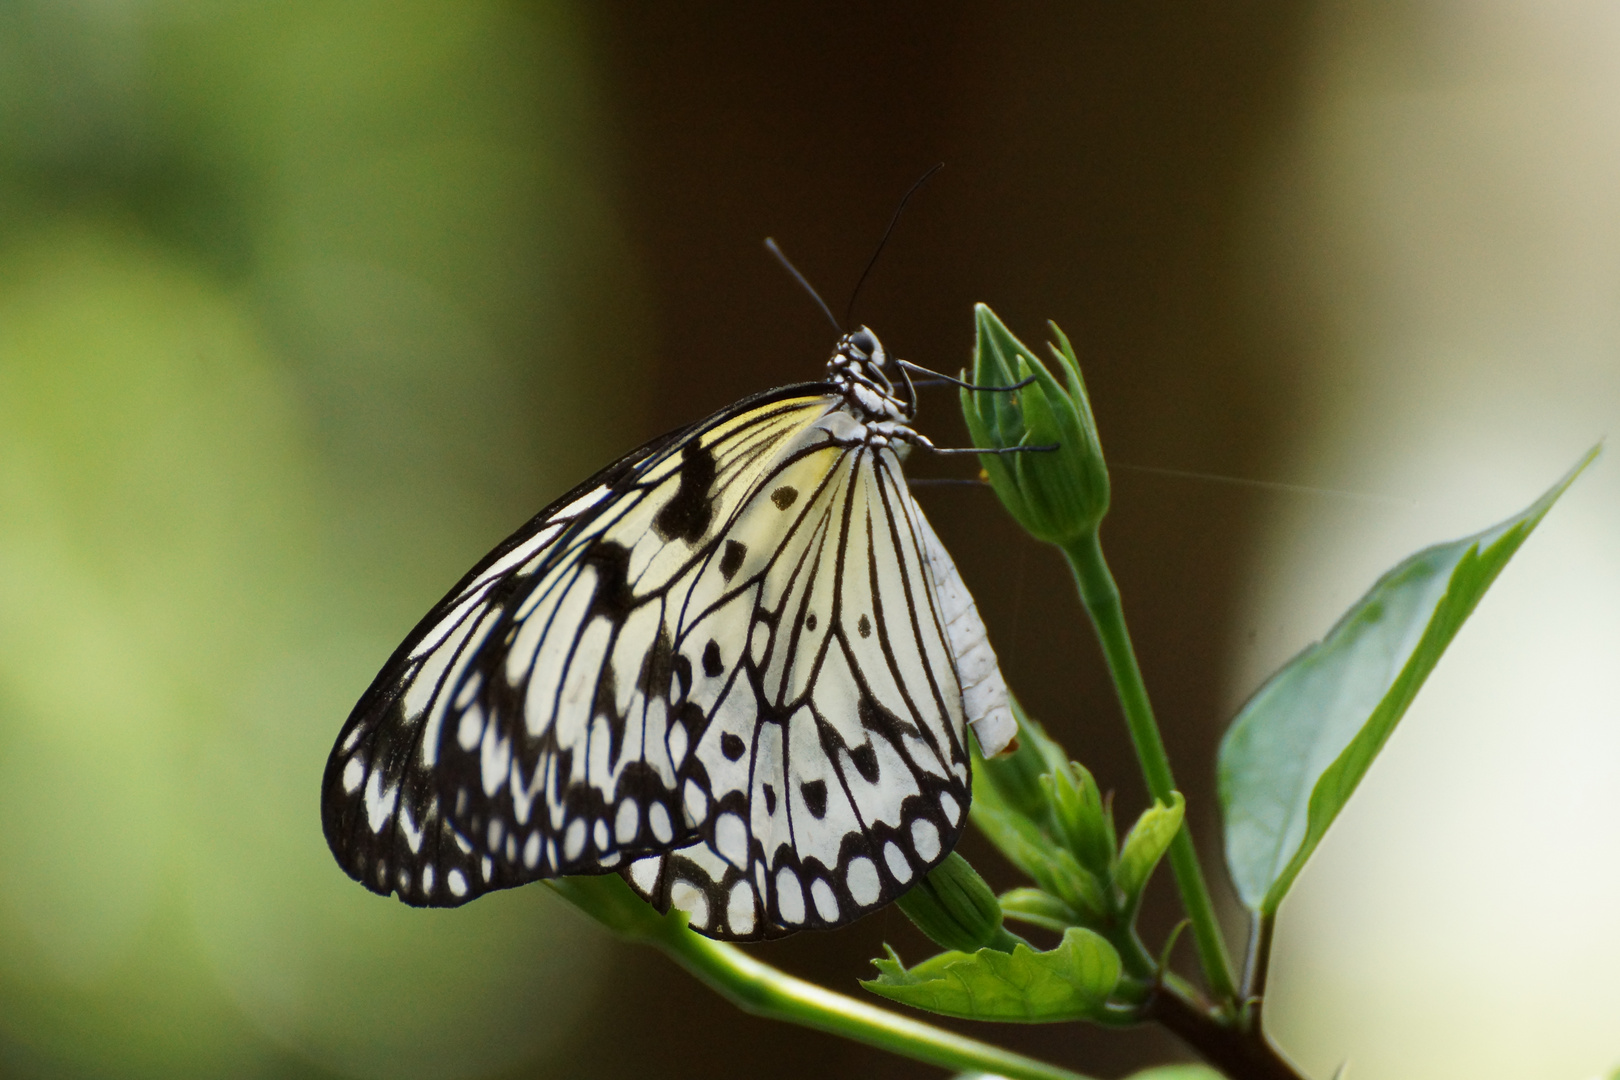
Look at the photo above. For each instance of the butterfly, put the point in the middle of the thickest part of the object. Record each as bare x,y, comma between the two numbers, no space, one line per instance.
735,666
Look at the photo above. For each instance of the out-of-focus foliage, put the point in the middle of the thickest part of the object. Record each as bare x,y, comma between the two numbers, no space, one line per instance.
301,308
1295,754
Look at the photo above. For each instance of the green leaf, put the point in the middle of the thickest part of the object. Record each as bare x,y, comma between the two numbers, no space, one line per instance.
1071,982
1038,908
1297,750
1146,844
1177,1072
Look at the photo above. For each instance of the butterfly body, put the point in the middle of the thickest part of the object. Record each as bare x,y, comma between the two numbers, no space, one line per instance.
736,666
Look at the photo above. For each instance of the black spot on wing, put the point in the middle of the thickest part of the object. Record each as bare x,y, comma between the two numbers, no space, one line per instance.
864,627
606,704
614,597
732,560
874,717
686,516
642,782
690,714
815,797
866,763
732,746
770,799
713,666
784,496
683,677
658,667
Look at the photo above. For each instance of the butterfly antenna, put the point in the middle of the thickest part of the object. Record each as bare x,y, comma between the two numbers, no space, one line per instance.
893,221
936,378
770,246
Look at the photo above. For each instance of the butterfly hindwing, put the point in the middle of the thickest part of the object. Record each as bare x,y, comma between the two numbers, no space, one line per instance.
846,776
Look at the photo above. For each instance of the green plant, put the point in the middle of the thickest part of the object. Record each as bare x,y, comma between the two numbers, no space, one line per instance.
1287,766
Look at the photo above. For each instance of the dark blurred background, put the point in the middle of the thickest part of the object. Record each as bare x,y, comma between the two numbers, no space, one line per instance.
304,306
1097,161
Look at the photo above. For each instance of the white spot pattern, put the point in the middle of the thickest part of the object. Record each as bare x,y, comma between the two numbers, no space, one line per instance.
789,897
925,838
899,868
629,820
354,774
659,819
864,883
826,902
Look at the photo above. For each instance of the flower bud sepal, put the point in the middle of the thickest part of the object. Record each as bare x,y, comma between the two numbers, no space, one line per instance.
956,909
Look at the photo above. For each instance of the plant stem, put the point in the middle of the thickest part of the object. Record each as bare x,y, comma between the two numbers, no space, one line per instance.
1257,967
760,989
765,991
1245,1055
1100,595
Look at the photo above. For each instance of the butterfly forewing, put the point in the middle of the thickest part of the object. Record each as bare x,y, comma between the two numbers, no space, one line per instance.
535,721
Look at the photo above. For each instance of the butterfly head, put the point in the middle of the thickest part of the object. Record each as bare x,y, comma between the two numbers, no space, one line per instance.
856,370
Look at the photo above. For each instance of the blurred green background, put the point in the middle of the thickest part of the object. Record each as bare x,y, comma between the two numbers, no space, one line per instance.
305,306
299,305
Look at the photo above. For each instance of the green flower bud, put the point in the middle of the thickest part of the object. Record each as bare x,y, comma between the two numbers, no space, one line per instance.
1039,908
1057,495
954,906
1064,877
1079,818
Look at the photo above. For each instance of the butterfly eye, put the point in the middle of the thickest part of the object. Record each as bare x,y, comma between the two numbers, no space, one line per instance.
863,344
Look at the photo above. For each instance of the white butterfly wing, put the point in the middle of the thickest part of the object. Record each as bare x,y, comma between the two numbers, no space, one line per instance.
537,722
837,764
